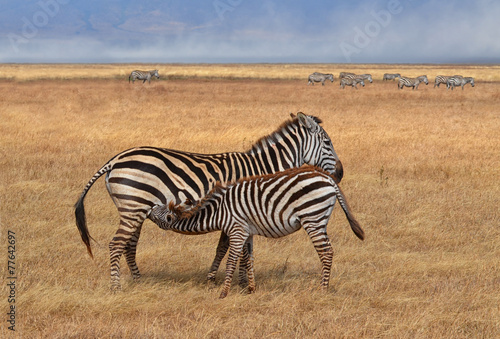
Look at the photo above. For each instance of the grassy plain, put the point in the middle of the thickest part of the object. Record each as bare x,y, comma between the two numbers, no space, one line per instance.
422,173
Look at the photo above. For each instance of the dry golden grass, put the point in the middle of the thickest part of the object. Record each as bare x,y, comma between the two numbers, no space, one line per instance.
23,72
422,175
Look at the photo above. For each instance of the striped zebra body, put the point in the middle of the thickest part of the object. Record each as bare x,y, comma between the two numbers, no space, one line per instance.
143,75
389,76
359,77
443,79
140,178
319,77
459,81
412,82
272,206
344,74
351,82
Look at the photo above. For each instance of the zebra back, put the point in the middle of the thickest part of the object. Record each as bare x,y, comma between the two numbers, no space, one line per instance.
273,204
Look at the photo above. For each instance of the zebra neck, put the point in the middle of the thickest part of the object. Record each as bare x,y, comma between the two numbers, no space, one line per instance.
277,152
202,219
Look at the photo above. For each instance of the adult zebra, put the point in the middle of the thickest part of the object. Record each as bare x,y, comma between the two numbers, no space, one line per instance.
143,75
459,81
142,177
319,77
412,82
273,206
351,82
391,76
359,77
443,79
344,74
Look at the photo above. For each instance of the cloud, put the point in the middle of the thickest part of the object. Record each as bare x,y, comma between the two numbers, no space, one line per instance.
271,31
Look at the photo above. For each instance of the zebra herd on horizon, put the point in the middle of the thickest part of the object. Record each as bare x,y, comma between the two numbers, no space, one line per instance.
287,180
351,79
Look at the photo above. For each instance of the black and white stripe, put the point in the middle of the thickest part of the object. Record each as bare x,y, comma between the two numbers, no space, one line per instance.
459,81
412,82
141,177
319,77
272,206
344,74
391,76
143,75
443,79
358,77
351,82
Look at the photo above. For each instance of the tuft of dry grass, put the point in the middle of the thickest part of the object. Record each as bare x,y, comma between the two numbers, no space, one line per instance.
421,176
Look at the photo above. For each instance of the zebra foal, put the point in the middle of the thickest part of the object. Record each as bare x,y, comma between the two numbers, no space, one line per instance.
143,75
272,206
142,177
319,77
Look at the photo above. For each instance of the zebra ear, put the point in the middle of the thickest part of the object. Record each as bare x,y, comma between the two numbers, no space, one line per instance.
292,115
303,120
308,122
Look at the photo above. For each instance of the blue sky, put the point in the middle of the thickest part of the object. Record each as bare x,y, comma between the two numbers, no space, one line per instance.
380,31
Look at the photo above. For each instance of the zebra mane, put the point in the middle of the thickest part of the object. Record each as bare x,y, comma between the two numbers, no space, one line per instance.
184,212
275,137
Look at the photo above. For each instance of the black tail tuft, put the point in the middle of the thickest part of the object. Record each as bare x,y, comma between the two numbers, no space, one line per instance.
356,228
81,223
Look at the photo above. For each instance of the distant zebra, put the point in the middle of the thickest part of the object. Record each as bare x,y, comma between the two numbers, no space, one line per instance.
351,82
319,77
143,75
344,74
359,77
459,81
412,82
142,177
272,206
443,79
389,76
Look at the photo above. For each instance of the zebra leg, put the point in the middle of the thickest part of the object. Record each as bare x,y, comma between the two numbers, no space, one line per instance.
324,249
236,242
249,267
219,255
117,247
246,274
130,253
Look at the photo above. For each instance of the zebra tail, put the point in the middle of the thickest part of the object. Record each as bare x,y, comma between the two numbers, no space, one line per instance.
81,220
356,228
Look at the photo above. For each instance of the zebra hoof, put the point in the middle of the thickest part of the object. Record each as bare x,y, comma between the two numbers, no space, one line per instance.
223,294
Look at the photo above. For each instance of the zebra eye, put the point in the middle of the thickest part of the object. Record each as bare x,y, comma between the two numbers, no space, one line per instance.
169,218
